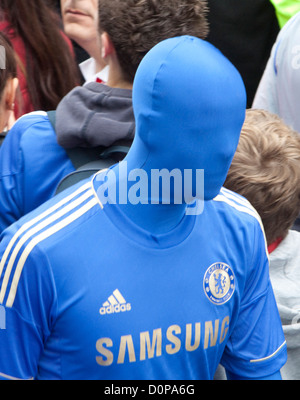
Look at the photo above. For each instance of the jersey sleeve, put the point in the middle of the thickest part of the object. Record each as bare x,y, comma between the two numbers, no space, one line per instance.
256,347
27,306
29,175
11,176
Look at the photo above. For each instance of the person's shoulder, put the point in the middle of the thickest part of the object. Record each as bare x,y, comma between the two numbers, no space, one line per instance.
27,244
290,32
28,135
288,247
30,127
238,207
292,23
23,126
30,119
53,216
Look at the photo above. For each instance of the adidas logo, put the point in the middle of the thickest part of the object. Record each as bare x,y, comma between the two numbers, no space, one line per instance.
115,304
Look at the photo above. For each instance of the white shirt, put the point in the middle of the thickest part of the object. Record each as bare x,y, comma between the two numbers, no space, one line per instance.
88,70
279,89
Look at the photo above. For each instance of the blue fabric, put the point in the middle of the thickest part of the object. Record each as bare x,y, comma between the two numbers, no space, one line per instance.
189,104
95,290
32,158
66,323
31,166
274,377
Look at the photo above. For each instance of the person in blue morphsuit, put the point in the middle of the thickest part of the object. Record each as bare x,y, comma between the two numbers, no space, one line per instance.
148,289
170,116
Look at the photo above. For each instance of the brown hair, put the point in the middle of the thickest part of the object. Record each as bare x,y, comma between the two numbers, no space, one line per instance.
135,26
8,67
51,71
266,170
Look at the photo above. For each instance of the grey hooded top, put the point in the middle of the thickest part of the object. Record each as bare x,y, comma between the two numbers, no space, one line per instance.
95,115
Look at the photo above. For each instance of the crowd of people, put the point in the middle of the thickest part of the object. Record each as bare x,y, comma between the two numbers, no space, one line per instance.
179,260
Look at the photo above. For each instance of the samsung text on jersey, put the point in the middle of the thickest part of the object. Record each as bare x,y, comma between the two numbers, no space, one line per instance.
154,344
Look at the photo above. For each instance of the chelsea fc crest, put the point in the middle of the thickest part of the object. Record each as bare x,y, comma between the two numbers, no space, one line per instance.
219,283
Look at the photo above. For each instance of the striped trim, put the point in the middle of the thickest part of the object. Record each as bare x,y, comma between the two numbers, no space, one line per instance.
12,378
240,207
37,234
269,357
244,206
36,220
238,199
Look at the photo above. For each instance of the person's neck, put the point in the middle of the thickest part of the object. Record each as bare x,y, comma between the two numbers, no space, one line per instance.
154,218
140,206
92,49
119,83
100,64
116,78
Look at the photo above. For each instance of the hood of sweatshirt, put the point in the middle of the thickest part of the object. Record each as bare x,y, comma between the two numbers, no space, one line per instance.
285,278
95,115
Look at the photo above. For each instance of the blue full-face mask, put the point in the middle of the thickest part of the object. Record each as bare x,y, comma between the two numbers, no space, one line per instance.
189,103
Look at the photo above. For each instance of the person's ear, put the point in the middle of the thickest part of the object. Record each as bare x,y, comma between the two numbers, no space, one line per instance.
10,93
8,104
107,47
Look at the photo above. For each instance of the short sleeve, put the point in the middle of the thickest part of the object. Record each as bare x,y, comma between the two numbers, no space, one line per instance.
27,301
257,346
21,346
11,177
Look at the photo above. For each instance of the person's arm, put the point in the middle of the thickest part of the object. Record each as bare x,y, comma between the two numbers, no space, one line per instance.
266,96
256,349
28,306
11,176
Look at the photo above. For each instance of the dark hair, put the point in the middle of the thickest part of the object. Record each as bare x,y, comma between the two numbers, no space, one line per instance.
135,26
51,71
8,64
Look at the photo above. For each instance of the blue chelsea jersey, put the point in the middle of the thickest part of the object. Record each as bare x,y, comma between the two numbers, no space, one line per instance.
31,166
86,294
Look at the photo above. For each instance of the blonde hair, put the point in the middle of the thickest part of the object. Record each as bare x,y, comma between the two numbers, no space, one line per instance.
266,170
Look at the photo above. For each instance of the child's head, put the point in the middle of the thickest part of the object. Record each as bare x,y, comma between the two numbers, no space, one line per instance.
135,26
8,81
266,170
